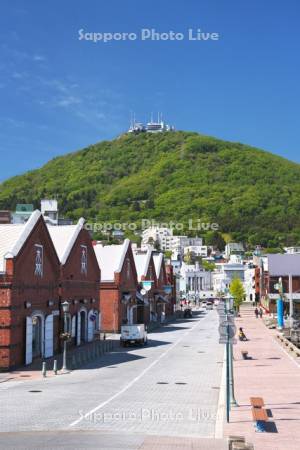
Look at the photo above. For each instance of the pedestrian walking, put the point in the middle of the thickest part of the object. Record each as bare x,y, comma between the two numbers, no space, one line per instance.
256,312
260,313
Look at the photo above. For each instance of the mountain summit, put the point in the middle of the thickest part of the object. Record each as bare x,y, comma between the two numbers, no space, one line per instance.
252,194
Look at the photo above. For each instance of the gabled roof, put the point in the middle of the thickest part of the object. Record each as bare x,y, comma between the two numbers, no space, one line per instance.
64,238
158,260
111,259
142,261
14,236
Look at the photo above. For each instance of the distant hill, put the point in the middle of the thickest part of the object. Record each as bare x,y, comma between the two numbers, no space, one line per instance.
252,194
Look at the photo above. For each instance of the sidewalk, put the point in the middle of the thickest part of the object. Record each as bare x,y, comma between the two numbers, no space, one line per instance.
271,374
74,357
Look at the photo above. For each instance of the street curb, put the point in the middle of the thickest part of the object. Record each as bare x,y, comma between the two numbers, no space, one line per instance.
220,418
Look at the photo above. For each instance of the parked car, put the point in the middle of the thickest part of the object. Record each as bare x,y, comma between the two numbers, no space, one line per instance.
209,306
187,313
133,334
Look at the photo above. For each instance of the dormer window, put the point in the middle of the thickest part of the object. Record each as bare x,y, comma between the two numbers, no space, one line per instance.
39,260
84,259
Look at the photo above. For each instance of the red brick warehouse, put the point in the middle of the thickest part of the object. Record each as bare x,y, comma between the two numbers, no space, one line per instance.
118,292
29,292
79,280
41,267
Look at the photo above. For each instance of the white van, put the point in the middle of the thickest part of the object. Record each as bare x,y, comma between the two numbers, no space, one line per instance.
133,334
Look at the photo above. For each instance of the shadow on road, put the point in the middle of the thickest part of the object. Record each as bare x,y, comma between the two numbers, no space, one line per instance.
121,355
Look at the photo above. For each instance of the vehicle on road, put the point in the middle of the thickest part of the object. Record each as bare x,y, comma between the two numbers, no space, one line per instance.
187,313
133,334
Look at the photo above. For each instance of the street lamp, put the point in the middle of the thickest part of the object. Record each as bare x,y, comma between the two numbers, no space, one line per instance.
65,307
229,309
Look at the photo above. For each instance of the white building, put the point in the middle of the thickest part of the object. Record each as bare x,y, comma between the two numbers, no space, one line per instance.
234,248
167,241
49,209
153,126
292,250
226,272
249,283
196,250
195,282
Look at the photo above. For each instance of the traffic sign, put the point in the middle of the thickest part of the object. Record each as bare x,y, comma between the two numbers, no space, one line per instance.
225,319
227,331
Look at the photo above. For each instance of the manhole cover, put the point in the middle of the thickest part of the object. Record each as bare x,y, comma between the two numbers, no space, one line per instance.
34,391
162,382
186,346
180,382
215,387
200,351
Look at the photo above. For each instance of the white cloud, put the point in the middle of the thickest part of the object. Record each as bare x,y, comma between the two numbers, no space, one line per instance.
38,58
69,100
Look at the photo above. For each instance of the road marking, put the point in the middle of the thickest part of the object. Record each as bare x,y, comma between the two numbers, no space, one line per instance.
129,385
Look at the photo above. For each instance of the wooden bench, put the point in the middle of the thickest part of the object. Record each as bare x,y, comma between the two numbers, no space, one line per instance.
260,417
257,402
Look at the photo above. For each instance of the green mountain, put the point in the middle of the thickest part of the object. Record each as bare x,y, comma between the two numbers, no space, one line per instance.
253,195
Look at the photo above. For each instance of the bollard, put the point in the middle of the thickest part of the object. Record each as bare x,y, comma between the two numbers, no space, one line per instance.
79,356
73,363
55,366
94,351
44,370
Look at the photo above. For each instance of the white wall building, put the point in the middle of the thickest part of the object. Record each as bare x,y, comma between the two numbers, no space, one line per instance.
196,250
292,250
195,282
167,241
226,272
234,248
49,209
249,283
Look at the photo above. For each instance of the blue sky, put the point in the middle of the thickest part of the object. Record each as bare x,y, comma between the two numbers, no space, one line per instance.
59,94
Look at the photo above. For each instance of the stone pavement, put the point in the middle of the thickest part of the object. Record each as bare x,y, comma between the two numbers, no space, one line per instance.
271,374
84,440
76,356
165,391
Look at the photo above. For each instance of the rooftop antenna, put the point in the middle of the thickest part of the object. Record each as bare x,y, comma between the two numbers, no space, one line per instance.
131,118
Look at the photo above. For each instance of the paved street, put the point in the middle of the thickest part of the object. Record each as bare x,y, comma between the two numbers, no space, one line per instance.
169,388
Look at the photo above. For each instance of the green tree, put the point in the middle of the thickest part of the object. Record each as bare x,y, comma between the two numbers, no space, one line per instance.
209,266
215,239
238,292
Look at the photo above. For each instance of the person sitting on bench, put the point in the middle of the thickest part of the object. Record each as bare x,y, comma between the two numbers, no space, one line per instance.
242,336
